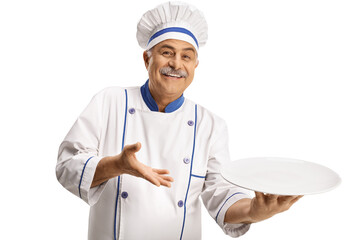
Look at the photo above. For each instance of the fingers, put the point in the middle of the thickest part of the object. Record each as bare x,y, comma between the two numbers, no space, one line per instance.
155,176
272,197
167,178
285,202
260,196
161,171
154,181
163,179
286,198
160,180
295,199
164,182
151,178
289,199
280,199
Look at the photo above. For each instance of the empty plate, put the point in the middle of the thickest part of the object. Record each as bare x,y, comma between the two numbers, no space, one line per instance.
282,176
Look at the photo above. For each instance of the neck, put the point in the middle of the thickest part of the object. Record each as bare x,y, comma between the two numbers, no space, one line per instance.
161,99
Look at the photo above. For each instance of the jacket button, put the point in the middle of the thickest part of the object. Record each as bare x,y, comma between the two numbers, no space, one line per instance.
124,194
180,203
132,110
190,123
186,160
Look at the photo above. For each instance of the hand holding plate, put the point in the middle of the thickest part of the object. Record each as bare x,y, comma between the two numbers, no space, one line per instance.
264,206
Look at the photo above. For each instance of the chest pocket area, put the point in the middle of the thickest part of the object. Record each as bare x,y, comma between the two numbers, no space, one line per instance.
198,175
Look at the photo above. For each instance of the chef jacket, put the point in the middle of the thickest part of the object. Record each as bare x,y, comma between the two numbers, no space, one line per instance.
188,140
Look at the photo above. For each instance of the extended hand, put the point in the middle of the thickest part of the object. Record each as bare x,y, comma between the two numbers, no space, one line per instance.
129,164
264,206
261,207
126,162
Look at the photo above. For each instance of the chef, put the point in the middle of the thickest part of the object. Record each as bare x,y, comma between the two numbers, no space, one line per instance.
142,157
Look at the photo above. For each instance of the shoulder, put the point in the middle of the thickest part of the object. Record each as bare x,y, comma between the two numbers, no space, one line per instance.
204,114
209,124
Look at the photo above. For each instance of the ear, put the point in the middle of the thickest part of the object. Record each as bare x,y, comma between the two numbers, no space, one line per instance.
197,63
146,59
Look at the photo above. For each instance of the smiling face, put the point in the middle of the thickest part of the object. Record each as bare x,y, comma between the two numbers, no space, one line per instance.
171,67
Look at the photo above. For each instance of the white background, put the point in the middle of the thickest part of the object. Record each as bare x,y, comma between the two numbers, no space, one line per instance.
283,74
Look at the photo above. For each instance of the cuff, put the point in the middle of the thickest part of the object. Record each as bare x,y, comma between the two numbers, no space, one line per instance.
233,230
86,193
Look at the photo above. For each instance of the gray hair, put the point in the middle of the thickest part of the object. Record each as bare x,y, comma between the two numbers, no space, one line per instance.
149,52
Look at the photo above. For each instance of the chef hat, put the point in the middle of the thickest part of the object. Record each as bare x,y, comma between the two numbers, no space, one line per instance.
172,20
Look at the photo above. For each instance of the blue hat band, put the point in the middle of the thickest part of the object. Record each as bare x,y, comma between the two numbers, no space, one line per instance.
173,29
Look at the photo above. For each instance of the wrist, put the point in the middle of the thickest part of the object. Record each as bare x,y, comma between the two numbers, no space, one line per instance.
110,166
247,216
105,169
114,165
239,212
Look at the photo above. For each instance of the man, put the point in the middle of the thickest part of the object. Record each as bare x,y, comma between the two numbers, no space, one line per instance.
128,135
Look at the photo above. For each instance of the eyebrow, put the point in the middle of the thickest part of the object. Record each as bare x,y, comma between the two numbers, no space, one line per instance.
172,48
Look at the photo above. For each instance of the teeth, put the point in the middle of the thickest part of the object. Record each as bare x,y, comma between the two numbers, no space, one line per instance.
173,75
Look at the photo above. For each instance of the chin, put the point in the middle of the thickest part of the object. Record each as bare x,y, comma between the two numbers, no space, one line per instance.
172,89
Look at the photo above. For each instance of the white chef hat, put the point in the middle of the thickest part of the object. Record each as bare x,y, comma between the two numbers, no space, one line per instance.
172,20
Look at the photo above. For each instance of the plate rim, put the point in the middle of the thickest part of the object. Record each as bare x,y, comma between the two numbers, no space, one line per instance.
339,180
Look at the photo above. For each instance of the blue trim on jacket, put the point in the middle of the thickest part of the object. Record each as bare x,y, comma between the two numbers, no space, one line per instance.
193,175
152,105
192,159
82,173
118,178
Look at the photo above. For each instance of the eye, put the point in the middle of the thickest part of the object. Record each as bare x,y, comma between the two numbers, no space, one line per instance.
187,57
166,53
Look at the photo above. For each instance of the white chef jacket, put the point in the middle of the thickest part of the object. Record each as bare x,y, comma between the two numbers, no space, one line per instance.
188,140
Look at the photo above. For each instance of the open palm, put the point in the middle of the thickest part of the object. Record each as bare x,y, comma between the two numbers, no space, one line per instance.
132,166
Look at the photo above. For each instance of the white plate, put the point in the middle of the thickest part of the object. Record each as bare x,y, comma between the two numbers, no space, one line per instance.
282,176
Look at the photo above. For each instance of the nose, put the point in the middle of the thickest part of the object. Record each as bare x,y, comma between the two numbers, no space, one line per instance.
175,63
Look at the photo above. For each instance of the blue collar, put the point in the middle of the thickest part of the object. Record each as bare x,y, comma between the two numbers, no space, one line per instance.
152,105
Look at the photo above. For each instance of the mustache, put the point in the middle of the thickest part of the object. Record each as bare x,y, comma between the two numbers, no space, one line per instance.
170,70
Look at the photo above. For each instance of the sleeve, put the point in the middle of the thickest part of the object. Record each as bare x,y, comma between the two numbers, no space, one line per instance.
218,194
78,154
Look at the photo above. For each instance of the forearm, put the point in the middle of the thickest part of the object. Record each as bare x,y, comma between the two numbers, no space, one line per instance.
106,169
239,212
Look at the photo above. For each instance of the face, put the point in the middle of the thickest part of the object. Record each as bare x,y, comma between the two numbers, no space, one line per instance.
171,67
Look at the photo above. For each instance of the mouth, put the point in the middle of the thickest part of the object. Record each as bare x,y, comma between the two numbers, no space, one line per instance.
172,76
